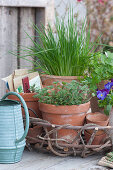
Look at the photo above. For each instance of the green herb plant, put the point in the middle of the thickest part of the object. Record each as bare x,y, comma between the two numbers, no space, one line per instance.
32,88
100,68
74,93
65,52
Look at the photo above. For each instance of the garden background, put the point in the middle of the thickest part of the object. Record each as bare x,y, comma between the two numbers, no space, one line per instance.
17,17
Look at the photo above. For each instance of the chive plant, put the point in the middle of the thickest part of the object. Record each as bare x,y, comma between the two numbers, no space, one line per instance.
64,53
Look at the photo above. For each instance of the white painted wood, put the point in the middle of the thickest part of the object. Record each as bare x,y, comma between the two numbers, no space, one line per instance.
8,42
24,3
27,19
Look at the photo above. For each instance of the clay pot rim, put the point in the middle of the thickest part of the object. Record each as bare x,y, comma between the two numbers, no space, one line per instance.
52,105
26,96
64,109
97,121
60,77
29,96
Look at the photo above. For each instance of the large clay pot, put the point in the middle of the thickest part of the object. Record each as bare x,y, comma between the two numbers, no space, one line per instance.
61,115
32,103
99,119
48,80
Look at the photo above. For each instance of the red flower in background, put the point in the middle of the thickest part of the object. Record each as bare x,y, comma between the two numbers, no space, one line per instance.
100,1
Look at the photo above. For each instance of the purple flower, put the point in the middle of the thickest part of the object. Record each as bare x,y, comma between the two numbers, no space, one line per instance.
111,80
101,94
105,90
108,85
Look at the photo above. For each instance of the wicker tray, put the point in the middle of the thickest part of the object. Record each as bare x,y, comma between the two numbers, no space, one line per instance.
61,147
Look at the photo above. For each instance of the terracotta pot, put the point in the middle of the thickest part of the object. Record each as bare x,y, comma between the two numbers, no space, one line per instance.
101,110
99,119
48,80
110,121
98,139
61,115
34,132
32,103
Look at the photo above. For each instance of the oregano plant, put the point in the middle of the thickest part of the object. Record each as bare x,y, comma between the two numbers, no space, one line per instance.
74,93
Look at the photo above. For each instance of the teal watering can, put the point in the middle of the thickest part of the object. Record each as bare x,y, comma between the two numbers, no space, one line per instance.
12,134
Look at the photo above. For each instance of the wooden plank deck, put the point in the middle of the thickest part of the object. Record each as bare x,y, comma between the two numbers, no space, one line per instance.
43,161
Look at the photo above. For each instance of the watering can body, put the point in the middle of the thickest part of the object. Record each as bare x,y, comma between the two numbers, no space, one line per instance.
12,134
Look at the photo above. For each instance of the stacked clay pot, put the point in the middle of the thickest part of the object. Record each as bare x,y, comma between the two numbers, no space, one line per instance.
99,119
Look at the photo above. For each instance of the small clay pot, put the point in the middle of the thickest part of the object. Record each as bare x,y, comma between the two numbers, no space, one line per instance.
48,80
62,115
31,102
98,139
33,133
97,118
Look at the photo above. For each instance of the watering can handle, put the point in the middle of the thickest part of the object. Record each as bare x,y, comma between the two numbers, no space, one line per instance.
26,114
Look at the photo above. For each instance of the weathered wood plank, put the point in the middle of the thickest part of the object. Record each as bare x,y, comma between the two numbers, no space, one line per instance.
49,13
8,42
47,4
27,19
40,19
40,16
12,30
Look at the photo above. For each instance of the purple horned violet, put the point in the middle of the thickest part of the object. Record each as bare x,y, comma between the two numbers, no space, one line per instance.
101,94
108,85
